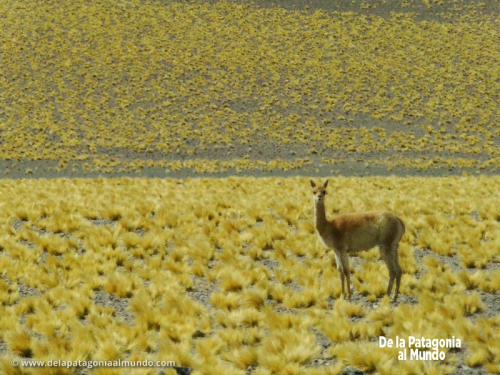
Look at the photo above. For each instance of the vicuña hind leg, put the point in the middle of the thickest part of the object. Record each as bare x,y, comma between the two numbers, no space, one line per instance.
398,270
389,261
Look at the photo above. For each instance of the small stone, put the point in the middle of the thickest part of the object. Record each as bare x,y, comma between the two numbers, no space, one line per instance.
352,371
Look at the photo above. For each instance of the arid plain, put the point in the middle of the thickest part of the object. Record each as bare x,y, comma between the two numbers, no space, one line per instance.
156,201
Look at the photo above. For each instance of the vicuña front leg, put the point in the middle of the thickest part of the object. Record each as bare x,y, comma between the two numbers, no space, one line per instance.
340,271
341,275
344,260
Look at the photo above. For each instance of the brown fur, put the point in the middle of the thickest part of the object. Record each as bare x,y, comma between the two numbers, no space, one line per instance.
359,231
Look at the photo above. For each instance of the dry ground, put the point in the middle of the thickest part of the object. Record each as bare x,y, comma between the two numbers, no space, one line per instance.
172,89
228,276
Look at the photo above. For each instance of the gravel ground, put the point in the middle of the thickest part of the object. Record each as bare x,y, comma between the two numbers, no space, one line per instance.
350,163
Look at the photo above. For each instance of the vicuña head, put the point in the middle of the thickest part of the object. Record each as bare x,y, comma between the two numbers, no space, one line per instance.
319,191
359,231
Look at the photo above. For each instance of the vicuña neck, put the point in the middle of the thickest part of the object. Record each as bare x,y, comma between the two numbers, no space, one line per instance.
320,215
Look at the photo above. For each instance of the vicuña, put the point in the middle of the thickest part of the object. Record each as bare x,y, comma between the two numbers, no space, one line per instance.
359,231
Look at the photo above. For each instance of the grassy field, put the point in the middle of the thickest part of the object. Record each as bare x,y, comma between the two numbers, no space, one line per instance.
227,275
161,88
223,274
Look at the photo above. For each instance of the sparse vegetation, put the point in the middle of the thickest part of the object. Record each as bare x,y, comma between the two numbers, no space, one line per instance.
225,274
124,86
204,280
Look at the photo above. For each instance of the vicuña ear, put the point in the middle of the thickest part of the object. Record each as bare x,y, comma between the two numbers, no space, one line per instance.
326,184
313,184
